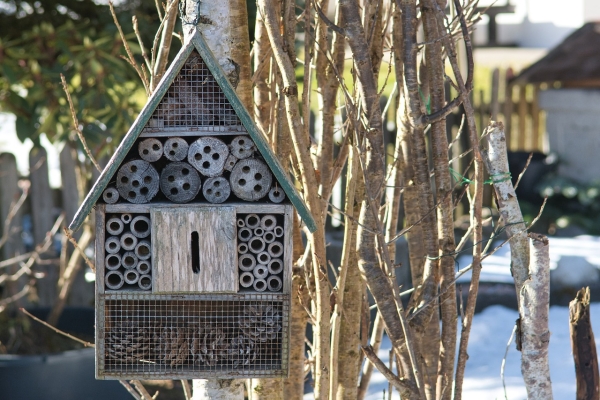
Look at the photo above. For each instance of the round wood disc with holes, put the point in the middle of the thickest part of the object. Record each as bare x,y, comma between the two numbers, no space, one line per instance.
216,190
242,147
176,149
137,181
208,155
276,194
250,179
180,182
150,149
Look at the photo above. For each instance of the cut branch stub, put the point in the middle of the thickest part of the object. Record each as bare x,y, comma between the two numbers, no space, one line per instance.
247,262
110,195
143,267
112,262
140,226
230,162
150,149
242,147
274,284
143,250
180,182
145,282
114,280
114,226
208,155
176,149
276,194
216,190
251,179
131,276
137,181
112,245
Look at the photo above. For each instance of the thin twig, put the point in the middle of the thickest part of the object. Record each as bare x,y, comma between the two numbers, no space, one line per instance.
88,152
524,170
22,293
187,390
130,389
141,389
512,335
140,71
76,245
134,22
14,209
83,342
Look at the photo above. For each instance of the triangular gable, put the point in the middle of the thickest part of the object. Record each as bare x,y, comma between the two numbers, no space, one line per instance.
197,43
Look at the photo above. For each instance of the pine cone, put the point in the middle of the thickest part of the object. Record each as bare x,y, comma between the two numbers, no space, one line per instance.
208,345
260,323
241,351
127,342
173,345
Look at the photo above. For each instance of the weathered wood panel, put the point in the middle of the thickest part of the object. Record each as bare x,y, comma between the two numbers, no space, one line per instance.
176,266
41,218
288,249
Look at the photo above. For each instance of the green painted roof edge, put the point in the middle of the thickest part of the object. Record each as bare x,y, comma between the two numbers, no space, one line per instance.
244,116
198,42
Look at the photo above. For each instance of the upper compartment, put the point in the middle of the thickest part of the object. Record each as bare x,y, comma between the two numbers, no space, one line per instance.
193,103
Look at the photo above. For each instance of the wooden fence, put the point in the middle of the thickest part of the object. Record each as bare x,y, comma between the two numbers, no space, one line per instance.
26,227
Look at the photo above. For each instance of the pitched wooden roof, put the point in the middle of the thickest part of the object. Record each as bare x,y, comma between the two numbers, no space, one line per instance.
196,42
576,59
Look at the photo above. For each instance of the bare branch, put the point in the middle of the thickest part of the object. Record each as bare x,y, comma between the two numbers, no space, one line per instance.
83,342
88,152
399,383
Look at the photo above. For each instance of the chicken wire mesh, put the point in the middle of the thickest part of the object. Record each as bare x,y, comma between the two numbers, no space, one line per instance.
201,336
195,101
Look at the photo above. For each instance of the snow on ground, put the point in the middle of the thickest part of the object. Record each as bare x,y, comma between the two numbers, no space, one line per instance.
489,335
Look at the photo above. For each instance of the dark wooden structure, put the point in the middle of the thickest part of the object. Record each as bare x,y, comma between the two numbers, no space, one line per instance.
194,217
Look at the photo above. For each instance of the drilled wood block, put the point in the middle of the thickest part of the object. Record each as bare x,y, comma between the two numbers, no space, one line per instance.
150,150
176,149
180,182
242,147
216,190
208,156
250,179
137,181
194,249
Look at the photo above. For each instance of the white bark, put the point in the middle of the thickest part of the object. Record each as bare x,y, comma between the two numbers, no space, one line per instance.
497,164
535,336
218,389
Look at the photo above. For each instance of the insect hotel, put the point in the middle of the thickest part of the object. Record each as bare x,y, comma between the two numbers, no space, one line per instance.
193,237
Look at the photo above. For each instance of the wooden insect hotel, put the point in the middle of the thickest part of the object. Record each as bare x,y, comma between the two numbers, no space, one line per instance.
193,237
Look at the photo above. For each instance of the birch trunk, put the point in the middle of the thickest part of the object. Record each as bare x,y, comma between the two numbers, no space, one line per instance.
535,336
224,25
218,389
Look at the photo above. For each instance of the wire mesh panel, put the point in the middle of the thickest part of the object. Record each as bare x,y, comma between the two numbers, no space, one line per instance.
194,101
199,336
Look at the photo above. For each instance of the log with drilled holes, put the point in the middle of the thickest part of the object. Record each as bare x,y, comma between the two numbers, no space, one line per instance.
250,179
242,147
150,150
180,182
208,155
216,190
176,149
137,181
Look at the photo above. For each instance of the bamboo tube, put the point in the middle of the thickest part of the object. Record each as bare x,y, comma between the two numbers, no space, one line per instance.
259,232
128,241
246,279
247,262
275,249
263,257
112,262
260,285
252,221
275,266
143,267
274,284
241,223
278,231
140,227
112,245
114,280
129,260
260,271
145,282
269,237
257,244
131,277
143,251
244,234
110,195
126,218
268,222
242,248
114,226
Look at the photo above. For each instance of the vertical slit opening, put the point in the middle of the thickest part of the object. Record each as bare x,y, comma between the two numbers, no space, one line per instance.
195,252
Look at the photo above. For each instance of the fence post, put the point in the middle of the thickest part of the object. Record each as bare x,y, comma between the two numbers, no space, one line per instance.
9,195
41,219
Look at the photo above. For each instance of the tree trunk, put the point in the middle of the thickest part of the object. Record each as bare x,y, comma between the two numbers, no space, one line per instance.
583,346
218,389
535,336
